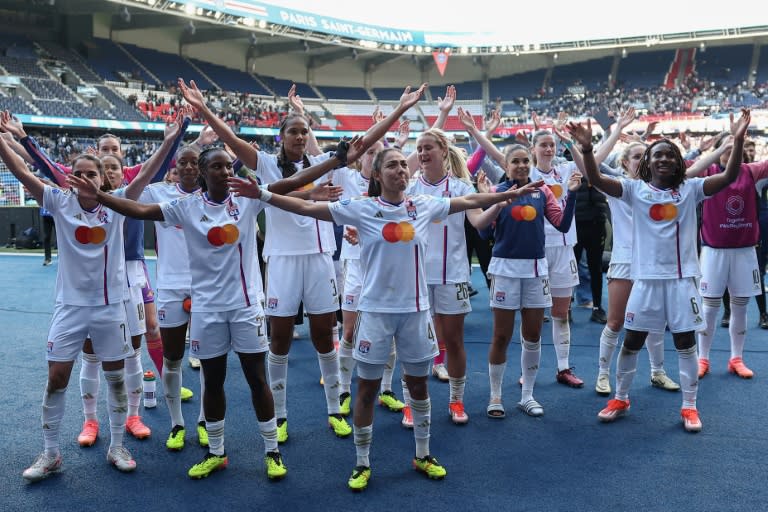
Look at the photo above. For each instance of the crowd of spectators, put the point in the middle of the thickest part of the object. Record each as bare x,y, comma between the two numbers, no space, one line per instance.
693,95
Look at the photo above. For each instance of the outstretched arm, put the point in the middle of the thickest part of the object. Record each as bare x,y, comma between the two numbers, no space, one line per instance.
717,182
459,204
127,207
583,136
250,188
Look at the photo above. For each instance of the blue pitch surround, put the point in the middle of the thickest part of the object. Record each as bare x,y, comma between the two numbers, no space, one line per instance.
565,460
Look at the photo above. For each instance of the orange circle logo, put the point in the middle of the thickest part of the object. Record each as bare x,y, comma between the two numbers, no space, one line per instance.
557,190
220,235
660,212
523,213
394,232
86,235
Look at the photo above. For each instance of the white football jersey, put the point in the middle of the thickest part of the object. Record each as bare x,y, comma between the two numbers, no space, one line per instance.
557,181
355,185
664,229
393,247
288,233
447,261
222,239
621,222
91,255
172,257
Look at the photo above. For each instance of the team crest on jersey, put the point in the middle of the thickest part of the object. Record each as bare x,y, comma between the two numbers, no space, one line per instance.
501,296
349,300
161,314
233,210
364,346
103,216
50,346
411,209
703,286
676,195
271,303
194,345
630,318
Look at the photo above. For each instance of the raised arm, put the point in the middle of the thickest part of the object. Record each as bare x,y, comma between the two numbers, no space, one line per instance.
152,167
625,119
444,105
18,148
19,169
297,104
490,148
717,182
705,161
40,158
243,150
87,190
376,132
250,188
583,137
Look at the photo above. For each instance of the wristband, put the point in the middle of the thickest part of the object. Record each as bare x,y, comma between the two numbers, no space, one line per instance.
265,196
341,153
568,144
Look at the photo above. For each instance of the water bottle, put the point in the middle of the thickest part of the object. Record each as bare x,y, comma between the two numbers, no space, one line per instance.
150,384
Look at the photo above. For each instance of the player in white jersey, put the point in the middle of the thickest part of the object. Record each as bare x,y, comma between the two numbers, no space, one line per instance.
90,290
174,282
563,270
394,299
298,253
444,173
140,321
355,184
665,270
620,284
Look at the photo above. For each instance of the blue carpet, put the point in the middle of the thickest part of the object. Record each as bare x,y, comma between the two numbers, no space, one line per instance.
565,460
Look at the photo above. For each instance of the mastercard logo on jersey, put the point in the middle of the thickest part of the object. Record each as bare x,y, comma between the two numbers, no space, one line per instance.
661,212
557,190
220,235
394,232
523,212
86,235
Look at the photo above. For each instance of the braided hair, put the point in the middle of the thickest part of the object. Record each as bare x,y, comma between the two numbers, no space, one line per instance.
203,159
286,166
644,169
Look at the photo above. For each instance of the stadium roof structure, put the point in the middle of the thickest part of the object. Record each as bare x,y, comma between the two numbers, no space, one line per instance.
276,39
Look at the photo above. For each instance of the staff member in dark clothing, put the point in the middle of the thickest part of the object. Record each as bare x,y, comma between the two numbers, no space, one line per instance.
591,215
